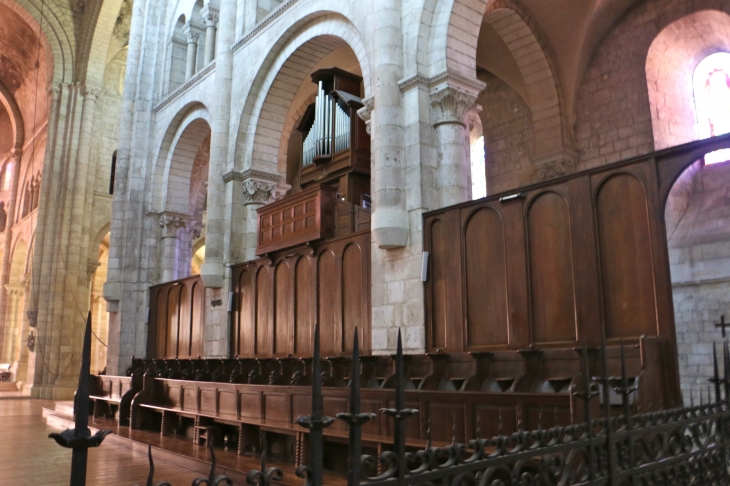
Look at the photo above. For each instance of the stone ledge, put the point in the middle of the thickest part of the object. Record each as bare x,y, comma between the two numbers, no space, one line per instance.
264,22
197,77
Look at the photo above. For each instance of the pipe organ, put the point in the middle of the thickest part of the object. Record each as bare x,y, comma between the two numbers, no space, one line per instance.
330,194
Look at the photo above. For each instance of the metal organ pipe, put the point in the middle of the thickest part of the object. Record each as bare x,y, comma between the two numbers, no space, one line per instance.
330,131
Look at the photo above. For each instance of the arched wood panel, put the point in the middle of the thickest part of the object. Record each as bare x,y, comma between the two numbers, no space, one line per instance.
284,310
159,335
552,290
353,296
246,335
197,303
184,322
487,321
264,311
624,241
439,295
172,321
305,299
327,299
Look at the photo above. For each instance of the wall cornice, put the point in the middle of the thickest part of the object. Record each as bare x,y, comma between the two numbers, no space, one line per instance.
197,77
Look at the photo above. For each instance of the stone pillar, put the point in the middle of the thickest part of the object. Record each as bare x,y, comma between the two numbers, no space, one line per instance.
14,295
213,269
171,223
389,224
449,110
7,244
192,55
21,372
210,16
256,193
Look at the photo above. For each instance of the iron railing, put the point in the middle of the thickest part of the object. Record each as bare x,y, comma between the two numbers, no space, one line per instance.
684,446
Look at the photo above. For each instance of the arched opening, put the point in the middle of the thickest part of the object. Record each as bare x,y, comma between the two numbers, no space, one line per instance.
198,257
689,95
177,55
477,157
182,177
99,314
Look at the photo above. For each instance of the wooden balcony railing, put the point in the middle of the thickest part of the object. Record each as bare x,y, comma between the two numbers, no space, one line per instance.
300,218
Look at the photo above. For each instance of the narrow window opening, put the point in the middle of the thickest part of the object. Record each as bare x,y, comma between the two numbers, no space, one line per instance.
113,172
711,85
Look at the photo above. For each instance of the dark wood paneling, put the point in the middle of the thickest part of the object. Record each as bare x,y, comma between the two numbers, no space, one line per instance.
264,310
176,319
626,258
284,309
552,291
485,271
327,292
353,295
327,282
246,320
305,298
439,285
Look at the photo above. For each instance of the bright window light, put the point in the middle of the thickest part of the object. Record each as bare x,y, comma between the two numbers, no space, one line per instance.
711,83
8,177
478,170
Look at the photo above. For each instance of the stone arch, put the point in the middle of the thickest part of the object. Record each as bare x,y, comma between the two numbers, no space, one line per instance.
450,39
174,167
552,134
101,41
16,118
57,42
283,71
670,64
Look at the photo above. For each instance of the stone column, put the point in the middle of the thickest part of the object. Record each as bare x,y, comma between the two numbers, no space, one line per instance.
256,193
213,269
171,223
449,109
7,244
389,224
210,16
21,372
14,294
192,39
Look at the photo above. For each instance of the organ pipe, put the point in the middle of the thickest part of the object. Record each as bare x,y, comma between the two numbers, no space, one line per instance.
330,131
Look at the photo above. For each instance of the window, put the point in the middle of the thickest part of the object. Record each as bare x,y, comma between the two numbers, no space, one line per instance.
478,170
711,84
8,176
113,172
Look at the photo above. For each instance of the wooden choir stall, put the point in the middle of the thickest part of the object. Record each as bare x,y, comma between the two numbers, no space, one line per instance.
520,286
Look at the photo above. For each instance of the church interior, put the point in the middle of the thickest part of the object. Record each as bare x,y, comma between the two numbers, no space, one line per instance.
523,191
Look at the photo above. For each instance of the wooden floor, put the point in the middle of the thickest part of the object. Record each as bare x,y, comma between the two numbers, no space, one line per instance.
28,456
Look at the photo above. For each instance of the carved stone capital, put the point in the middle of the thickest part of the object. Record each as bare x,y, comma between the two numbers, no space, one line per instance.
171,222
92,92
366,112
16,153
450,104
210,15
54,90
557,165
257,192
14,290
191,36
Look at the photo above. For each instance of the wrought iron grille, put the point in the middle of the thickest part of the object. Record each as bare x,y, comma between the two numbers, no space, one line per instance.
684,446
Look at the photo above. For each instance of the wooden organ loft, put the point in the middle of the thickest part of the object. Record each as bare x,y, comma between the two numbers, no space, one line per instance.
523,290
333,174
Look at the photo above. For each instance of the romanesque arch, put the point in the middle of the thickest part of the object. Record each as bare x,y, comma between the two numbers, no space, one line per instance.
282,72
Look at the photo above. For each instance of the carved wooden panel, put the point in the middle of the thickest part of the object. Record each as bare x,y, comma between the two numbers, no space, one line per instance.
176,319
551,269
302,217
486,280
327,282
626,257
